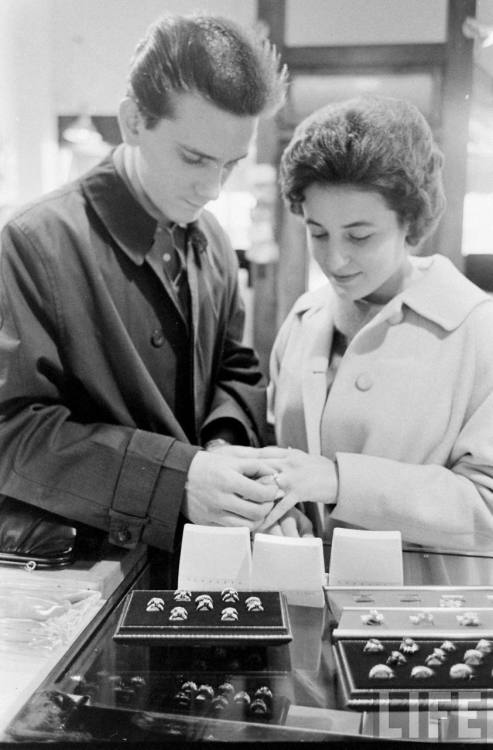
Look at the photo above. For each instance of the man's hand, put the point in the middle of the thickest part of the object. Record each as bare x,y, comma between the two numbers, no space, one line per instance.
221,490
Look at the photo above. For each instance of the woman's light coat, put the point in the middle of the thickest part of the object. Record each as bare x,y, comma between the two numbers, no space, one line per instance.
409,414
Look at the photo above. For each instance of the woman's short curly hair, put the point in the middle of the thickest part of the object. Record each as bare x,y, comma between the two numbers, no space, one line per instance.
373,143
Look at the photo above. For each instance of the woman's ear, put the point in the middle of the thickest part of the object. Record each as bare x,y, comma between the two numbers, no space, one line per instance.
130,121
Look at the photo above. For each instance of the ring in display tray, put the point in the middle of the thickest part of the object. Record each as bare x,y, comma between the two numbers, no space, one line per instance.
155,616
415,655
426,678
342,597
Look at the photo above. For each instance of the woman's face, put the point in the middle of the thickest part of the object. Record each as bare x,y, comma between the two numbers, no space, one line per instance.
357,240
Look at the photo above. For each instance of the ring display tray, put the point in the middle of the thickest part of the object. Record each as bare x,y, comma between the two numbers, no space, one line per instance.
339,597
401,692
423,657
416,622
218,695
148,617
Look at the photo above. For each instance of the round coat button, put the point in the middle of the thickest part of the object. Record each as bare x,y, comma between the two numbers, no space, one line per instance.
157,338
395,318
363,382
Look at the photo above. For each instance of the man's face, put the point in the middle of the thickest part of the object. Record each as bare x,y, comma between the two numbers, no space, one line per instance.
183,161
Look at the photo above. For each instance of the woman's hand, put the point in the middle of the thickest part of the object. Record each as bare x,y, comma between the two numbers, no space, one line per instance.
302,477
293,524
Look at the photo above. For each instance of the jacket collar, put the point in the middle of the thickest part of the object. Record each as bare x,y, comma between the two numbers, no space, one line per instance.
128,223
442,295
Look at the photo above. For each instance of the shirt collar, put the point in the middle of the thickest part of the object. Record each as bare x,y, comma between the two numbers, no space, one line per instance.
123,159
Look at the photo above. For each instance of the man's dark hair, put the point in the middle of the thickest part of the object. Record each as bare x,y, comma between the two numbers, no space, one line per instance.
232,68
372,143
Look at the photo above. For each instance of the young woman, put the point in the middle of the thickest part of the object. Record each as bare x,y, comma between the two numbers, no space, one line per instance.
382,380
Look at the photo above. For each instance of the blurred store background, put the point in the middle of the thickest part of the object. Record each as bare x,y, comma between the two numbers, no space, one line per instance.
63,66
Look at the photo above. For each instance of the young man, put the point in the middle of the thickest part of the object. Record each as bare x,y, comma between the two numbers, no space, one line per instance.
120,345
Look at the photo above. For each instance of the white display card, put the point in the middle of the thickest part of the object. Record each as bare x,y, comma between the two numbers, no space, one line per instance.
292,565
366,558
213,558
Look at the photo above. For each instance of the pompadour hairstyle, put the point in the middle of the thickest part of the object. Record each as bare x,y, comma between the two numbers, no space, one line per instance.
373,143
232,68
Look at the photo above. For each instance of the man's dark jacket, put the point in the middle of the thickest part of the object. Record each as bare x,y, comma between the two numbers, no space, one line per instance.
104,388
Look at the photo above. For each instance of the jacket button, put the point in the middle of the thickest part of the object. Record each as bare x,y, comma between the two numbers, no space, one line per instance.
157,338
123,535
395,318
363,382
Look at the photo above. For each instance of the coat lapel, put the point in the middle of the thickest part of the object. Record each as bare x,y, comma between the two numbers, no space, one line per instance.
317,333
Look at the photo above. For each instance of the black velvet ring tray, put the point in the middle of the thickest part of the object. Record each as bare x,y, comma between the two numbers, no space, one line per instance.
137,624
362,692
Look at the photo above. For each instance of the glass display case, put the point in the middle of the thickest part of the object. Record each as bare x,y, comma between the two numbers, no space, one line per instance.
288,691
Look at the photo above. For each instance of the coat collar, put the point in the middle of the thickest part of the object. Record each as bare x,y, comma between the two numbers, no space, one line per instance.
131,227
442,295
128,223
